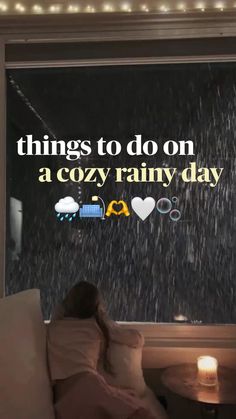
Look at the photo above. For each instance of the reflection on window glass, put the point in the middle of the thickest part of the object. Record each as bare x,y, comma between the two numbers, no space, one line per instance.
15,228
178,264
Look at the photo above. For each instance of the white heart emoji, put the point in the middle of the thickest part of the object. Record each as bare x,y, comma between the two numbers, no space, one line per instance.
143,207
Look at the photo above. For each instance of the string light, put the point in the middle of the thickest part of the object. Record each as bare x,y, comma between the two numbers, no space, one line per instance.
182,7
164,8
90,9
73,8
37,8
3,7
20,8
144,8
125,7
201,6
118,6
220,6
107,7
55,8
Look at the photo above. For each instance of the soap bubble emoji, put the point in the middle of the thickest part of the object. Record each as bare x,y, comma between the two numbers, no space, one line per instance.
164,205
175,200
66,208
175,215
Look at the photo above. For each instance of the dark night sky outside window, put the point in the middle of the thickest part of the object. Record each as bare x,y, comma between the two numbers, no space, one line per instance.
148,271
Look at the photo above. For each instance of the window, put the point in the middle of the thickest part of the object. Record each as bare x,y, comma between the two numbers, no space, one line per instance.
154,270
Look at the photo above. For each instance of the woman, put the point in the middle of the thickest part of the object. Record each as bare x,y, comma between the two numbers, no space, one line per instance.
77,336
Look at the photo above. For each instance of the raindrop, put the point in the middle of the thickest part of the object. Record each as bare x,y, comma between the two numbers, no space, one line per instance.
164,205
175,215
70,219
62,218
67,215
58,215
74,215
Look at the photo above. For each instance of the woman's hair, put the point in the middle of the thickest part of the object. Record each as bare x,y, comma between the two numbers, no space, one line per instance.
84,301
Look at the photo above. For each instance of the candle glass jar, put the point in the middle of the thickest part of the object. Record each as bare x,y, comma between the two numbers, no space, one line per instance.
207,371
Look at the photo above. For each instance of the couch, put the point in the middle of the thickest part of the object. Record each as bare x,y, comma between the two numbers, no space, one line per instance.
25,387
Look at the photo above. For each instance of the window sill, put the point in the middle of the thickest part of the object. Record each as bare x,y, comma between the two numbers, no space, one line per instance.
169,344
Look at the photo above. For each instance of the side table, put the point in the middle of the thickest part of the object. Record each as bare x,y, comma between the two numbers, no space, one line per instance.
183,381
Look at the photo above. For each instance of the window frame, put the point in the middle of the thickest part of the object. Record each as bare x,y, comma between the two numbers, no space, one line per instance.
20,39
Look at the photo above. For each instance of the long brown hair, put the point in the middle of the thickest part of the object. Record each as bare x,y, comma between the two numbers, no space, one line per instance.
84,301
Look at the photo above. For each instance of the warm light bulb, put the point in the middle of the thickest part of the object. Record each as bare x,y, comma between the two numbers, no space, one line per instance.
107,7
55,8
182,7
144,8
164,8
19,7
201,6
220,5
90,9
73,8
37,8
125,7
3,7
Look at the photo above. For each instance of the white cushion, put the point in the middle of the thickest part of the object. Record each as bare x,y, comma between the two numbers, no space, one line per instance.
126,365
25,391
126,362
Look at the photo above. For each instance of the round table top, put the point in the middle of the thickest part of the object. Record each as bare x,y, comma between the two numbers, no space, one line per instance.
183,380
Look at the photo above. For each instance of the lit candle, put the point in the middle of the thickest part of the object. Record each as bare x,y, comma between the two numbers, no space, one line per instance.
207,370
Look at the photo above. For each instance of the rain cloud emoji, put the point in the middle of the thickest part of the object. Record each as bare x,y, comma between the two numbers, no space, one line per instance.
66,208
